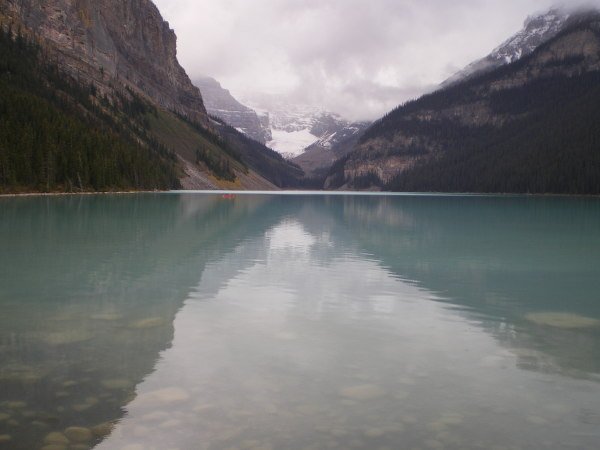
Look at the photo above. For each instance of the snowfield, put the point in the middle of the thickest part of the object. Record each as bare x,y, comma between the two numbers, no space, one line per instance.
291,144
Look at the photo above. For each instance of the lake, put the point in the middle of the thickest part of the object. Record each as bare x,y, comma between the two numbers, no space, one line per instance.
203,321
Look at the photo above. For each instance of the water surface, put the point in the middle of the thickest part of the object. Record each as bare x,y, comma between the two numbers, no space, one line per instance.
193,321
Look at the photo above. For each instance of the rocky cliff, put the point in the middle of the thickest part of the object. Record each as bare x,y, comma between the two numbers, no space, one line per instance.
112,43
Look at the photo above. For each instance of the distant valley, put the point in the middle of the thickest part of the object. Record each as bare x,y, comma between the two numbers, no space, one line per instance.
310,137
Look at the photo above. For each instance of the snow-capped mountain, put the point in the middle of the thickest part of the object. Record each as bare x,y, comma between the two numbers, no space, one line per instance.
537,30
297,127
220,103
287,128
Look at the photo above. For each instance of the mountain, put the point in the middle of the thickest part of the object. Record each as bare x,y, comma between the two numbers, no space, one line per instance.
310,137
536,30
112,43
57,135
108,71
318,158
531,126
220,103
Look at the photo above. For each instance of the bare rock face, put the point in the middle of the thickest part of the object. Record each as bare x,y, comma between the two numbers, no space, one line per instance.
220,103
112,43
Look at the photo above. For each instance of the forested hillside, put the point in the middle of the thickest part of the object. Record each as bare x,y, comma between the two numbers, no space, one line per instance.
260,158
56,135
554,149
528,127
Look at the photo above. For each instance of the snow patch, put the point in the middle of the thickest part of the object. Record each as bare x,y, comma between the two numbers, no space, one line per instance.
291,143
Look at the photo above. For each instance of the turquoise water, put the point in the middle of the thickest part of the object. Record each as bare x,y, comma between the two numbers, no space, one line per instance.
194,321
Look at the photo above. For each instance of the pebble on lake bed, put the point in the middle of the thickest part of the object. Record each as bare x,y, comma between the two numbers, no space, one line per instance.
103,429
79,447
56,438
362,392
5,438
78,434
4,416
87,404
562,320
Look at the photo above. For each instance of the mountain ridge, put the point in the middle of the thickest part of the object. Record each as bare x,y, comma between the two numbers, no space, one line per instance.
113,43
121,56
451,131
220,103
536,30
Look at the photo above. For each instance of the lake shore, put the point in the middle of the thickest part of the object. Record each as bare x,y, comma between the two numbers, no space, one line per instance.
336,192
56,194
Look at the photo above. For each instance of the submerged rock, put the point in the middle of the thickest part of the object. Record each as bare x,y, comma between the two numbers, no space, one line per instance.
68,337
103,429
4,416
56,438
54,447
16,405
151,322
106,317
562,320
5,438
39,424
116,384
78,434
87,404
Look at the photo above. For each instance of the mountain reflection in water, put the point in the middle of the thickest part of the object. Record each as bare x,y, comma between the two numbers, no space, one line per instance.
193,321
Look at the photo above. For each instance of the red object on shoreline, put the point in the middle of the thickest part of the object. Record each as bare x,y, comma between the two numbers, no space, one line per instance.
228,196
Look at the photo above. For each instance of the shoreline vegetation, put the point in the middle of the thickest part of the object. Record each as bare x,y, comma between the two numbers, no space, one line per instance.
57,194
296,191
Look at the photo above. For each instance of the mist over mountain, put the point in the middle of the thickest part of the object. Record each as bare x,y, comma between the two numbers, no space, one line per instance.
357,58
220,103
536,30
526,126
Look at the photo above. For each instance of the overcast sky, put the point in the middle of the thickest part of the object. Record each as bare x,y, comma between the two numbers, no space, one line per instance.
359,58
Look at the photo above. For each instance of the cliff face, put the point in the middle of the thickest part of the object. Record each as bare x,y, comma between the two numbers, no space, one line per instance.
220,103
112,43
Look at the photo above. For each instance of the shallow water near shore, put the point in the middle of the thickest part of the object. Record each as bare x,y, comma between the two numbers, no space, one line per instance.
198,321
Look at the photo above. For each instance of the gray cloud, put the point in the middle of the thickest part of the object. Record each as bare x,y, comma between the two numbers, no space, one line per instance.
359,58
